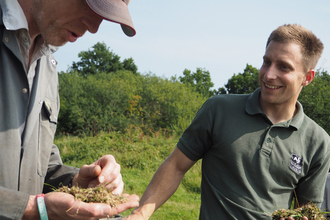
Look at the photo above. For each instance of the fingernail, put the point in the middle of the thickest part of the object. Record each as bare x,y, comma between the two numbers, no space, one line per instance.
101,179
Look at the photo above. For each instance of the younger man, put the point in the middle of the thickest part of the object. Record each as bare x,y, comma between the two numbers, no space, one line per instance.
257,148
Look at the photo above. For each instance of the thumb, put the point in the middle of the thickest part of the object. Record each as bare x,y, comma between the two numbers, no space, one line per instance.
89,172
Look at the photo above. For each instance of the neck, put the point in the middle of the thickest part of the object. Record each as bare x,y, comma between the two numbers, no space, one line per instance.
27,6
279,113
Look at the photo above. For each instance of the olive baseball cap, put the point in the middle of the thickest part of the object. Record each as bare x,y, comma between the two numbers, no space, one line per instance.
115,11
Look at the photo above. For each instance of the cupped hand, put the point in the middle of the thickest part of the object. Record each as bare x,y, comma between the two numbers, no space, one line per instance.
104,170
291,218
64,206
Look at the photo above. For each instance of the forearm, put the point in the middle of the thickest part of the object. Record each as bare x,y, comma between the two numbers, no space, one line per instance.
164,184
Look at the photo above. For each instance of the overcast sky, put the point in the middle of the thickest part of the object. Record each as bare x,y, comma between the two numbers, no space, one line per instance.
221,36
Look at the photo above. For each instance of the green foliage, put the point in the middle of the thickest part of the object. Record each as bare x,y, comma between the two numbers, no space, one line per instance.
112,101
101,59
243,83
167,104
100,93
140,156
96,102
200,81
315,99
129,65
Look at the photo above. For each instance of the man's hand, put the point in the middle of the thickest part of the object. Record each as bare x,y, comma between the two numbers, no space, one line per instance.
65,206
104,170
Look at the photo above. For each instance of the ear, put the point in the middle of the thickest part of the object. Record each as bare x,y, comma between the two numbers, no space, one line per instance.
309,77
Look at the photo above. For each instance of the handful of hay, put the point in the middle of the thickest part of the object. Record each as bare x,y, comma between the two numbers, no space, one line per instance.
97,194
311,211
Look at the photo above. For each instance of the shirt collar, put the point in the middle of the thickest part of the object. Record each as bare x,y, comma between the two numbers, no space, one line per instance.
252,107
13,15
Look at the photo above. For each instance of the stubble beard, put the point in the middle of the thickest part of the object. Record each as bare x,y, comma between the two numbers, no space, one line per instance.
49,31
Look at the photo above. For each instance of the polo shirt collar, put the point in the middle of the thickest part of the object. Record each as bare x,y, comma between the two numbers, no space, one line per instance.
299,117
252,107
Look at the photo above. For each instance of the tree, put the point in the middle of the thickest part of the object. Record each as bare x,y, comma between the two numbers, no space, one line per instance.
199,80
243,83
315,99
101,59
129,64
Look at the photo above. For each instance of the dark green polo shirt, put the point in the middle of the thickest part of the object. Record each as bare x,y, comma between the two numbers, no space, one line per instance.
251,166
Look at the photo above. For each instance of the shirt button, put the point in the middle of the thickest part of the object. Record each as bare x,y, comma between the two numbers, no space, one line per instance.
24,90
6,39
269,140
54,62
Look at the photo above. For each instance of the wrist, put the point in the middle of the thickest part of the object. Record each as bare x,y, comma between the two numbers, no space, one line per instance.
31,210
142,213
42,207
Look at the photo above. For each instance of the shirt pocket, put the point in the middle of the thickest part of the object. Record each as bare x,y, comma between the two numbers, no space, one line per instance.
47,128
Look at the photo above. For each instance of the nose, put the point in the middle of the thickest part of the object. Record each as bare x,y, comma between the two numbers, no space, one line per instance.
270,73
92,22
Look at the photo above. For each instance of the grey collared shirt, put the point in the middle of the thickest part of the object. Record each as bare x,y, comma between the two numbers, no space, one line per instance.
28,118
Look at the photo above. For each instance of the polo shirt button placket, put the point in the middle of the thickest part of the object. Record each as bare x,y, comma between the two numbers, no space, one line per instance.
267,147
268,143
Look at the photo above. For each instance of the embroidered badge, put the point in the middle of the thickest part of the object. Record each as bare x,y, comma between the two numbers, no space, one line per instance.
296,163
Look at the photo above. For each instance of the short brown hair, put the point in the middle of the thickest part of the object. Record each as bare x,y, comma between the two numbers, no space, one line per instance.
311,46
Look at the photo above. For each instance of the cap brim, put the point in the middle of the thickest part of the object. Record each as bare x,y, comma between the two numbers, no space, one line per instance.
115,11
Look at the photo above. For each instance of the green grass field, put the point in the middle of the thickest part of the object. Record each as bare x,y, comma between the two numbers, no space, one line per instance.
139,157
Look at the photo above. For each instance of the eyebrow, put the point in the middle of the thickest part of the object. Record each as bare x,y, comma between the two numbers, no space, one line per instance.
265,57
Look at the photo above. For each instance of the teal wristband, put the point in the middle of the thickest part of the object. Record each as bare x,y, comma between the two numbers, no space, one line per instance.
42,207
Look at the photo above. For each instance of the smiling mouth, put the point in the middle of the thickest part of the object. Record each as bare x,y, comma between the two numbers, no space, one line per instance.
272,87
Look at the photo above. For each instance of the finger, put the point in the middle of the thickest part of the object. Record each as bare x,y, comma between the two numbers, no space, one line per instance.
133,201
81,210
110,173
86,175
304,218
110,169
117,188
89,171
112,181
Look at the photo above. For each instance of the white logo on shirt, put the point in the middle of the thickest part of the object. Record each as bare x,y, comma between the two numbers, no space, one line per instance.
296,163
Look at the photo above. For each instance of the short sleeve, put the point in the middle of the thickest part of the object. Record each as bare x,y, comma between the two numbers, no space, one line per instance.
196,139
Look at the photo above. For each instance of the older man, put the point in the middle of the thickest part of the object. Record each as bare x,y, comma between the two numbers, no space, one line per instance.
30,31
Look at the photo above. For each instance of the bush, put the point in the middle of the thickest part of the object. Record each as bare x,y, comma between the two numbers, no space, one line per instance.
113,101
